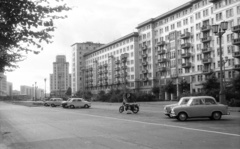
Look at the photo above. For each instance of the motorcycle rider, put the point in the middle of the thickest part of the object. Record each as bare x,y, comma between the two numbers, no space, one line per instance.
127,100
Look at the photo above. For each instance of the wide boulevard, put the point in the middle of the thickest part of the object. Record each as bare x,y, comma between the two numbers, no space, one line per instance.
103,127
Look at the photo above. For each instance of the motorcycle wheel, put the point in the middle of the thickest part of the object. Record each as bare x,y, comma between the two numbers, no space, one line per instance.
121,109
135,109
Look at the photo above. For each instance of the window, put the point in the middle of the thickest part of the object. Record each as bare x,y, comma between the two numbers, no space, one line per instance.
219,16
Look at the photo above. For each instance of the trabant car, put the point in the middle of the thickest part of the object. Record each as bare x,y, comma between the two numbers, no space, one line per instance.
199,107
53,102
78,102
182,101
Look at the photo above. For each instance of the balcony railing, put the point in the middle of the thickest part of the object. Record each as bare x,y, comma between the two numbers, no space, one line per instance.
161,52
185,45
236,41
117,61
144,48
162,69
144,55
186,65
161,43
236,54
206,28
117,75
206,39
185,35
117,69
124,67
212,1
144,79
207,50
186,55
174,75
144,71
207,60
207,71
236,29
144,63
162,60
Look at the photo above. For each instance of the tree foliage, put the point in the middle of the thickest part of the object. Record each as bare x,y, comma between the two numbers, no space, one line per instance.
170,88
24,25
69,91
211,86
184,86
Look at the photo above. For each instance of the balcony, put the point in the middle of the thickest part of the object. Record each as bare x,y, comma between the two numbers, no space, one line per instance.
144,79
207,60
236,54
144,55
161,43
213,1
186,65
124,67
236,41
144,48
117,62
185,45
105,71
144,63
206,39
100,72
161,52
237,67
162,69
162,60
117,75
117,68
117,82
205,28
100,67
174,76
236,29
186,55
105,65
124,75
207,71
185,35
207,50
144,71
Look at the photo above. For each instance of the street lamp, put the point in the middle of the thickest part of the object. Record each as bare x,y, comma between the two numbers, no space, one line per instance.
35,93
219,30
224,62
45,86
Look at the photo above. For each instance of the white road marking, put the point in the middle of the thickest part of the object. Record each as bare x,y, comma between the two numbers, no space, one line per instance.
156,124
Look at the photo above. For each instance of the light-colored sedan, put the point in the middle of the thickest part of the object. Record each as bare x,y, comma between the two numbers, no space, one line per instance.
168,108
199,107
78,102
53,102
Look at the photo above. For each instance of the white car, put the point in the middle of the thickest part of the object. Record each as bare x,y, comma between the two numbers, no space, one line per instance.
53,102
199,107
167,109
78,102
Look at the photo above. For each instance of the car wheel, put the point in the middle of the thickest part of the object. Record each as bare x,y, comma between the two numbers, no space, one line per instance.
72,106
182,116
216,115
121,109
86,106
45,104
52,105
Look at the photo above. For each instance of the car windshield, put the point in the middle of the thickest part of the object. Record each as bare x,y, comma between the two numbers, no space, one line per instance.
183,101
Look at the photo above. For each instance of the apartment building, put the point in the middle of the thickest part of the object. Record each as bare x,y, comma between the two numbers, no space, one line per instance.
9,88
60,80
113,66
78,62
3,84
177,45
183,45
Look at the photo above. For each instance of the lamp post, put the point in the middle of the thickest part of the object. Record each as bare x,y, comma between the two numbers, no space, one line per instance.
45,86
224,62
219,30
35,93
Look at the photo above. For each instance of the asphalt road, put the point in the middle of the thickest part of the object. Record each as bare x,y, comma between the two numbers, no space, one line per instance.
102,127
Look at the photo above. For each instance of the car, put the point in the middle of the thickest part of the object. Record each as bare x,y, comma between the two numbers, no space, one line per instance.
182,101
200,107
53,102
64,103
78,102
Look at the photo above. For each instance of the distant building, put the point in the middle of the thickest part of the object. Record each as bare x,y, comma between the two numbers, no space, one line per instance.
3,85
60,80
9,88
16,92
78,62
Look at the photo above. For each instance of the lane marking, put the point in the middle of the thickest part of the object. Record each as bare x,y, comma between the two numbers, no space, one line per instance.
156,124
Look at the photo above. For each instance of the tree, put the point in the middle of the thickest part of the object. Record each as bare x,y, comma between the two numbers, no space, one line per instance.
25,23
156,91
211,86
184,86
170,88
69,91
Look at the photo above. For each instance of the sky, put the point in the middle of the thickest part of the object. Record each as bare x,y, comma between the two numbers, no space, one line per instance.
99,21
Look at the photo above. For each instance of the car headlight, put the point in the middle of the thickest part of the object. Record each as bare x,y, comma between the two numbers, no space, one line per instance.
172,110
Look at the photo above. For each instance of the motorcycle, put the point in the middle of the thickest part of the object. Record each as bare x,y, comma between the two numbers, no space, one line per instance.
133,107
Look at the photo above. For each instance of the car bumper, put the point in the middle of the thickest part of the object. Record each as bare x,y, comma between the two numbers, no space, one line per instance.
173,115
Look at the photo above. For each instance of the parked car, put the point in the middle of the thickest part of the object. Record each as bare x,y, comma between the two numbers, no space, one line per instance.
168,108
53,102
199,107
78,102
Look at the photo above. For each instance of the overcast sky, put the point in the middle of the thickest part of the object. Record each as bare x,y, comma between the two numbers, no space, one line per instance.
91,20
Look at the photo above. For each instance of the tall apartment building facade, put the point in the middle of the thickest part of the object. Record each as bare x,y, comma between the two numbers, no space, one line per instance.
60,80
113,66
9,89
78,63
177,45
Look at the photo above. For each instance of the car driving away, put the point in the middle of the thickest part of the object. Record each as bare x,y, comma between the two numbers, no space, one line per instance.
77,102
200,107
168,108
